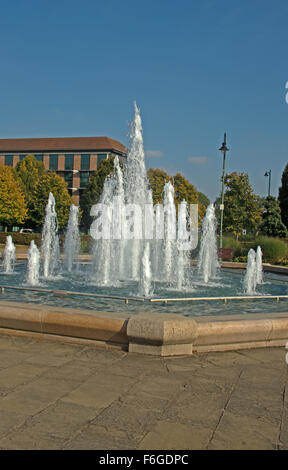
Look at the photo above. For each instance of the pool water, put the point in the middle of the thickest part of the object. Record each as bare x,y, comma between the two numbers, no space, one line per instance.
227,283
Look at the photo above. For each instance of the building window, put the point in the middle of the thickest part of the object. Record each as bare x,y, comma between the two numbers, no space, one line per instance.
69,162
9,160
53,162
39,158
85,162
84,179
101,156
21,157
68,178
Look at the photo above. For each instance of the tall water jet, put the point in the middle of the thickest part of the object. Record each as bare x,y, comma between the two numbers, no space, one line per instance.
72,240
136,193
169,232
33,265
250,278
259,266
145,288
50,241
208,263
182,253
107,255
9,255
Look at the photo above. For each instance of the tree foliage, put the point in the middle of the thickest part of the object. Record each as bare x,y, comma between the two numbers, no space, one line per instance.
13,209
94,190
29,170
50,182
157,179
241,205
272,224
283,196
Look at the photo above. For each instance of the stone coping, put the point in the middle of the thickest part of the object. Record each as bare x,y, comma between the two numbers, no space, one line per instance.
146,333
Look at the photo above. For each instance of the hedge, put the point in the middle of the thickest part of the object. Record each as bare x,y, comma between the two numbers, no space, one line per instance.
26,238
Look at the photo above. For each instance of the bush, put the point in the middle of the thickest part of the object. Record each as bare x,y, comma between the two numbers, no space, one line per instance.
273,249
21,238
26,238
230,242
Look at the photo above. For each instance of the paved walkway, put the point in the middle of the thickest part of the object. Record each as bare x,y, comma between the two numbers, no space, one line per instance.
67,396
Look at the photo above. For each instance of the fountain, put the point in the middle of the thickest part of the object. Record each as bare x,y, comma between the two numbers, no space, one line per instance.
50,249
33,265
72,241
259,266
138,250
208,263
126,220
250,278
9,256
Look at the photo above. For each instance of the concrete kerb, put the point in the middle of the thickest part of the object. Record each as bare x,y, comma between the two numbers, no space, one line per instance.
146,333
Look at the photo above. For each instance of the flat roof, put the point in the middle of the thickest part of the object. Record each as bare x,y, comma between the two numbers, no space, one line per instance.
48,144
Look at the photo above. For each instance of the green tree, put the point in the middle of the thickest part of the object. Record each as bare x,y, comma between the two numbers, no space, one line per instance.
94,190
184,190
283,196
29,170
50,182
241,205
272,224
203,199
13,209
157,179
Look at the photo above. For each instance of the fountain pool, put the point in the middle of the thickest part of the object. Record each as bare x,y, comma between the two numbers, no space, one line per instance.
227,282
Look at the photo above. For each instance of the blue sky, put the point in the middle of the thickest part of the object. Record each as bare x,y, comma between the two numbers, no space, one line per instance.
196,69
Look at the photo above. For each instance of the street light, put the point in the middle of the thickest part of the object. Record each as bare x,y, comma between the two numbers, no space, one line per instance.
268,173
222,149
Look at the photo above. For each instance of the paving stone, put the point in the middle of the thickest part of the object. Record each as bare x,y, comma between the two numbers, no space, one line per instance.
63,396
244,433
169,435
14,376
9,420
99,391
35,396
96,437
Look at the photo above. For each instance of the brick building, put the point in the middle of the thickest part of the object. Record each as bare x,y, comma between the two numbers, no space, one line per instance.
75,159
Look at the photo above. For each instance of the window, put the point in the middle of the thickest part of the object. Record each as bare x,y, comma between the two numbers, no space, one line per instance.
85,162
69,162
84,178
39,158
53,162
9,160
21,157
101,156
68,177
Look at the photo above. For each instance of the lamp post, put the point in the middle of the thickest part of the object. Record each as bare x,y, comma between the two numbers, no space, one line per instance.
268,173
222,149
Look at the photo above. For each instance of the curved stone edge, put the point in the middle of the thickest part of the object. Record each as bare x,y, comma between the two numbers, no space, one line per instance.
106,327
146,333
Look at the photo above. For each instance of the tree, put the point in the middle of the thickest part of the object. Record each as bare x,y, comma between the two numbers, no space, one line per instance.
29,170
241,206
203,199
50,182
272,224
13,209
184,190
157,179
283,196
94,190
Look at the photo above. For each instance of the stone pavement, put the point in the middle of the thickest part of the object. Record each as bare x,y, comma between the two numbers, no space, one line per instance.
72,396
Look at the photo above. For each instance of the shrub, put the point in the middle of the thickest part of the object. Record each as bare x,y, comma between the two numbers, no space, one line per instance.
273,249
231,242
